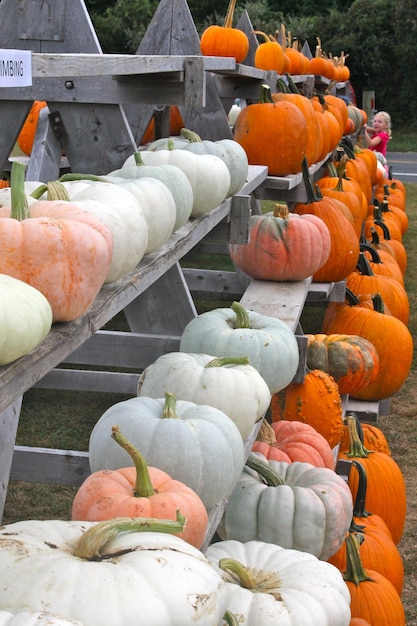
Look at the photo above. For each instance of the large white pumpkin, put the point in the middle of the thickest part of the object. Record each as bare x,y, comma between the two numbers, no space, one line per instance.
282,587
128,579
196,444
227,383
35,618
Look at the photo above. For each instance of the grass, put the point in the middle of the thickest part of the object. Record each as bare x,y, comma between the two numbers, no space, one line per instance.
65,419
403,140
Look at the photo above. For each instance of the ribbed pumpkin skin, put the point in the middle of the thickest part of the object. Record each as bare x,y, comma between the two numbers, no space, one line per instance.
377,601
391,338
283,249
273,134
386,492
351,360
345,243
378,552
314,145
316,401
372,436
296,441
224,42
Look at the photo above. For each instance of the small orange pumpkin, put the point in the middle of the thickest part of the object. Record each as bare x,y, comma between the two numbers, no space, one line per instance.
315,401
27,133
225,41
139,491
291,441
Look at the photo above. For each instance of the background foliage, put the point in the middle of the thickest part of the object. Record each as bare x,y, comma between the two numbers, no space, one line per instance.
378,35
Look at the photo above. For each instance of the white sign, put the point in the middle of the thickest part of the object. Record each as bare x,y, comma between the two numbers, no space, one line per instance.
15,68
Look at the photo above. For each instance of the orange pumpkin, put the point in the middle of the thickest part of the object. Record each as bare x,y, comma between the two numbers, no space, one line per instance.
139,491
176,123
373,597
291,441
283,248
60,250
391,338
377,549
351,360
273,134
386,493
225,41
27,133
269,54
363,280
370,435
316,401
344,241
314,138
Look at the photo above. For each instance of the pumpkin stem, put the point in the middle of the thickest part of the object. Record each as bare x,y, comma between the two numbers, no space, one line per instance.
241,572
270,476
356,449
92,542
143,483
355,571
230,619
360,498
169,406
265,96
70,176
281,210
138,159
228,21
190,135
266,433
363,266
242,316
19,203
57,191
227,360
311,196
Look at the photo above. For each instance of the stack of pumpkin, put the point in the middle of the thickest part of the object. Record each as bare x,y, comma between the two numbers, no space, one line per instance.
84,231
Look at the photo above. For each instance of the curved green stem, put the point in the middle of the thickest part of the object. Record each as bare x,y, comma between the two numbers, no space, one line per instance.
356,449
355,571
220,361
92,542
19,203
244,575
268,474
242,315
190,135
230,619
143,483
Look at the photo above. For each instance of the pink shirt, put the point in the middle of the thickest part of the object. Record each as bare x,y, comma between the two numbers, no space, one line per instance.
382,146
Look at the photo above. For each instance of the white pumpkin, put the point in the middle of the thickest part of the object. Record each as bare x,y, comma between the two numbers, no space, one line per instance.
129,230
294,505
281,586
25,318
268,342
208,174
158,206
196,444
174,178
35,618
227,383
124,217
124,579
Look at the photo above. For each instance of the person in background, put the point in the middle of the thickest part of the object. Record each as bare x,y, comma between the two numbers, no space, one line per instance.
378,135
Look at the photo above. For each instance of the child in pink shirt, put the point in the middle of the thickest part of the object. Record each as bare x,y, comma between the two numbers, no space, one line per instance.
378,135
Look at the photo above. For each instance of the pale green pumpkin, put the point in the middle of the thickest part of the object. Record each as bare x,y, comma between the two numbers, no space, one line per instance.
196,444
25,318
268,342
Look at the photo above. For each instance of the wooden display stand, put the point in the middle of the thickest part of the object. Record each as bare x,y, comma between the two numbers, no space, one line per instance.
99,106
